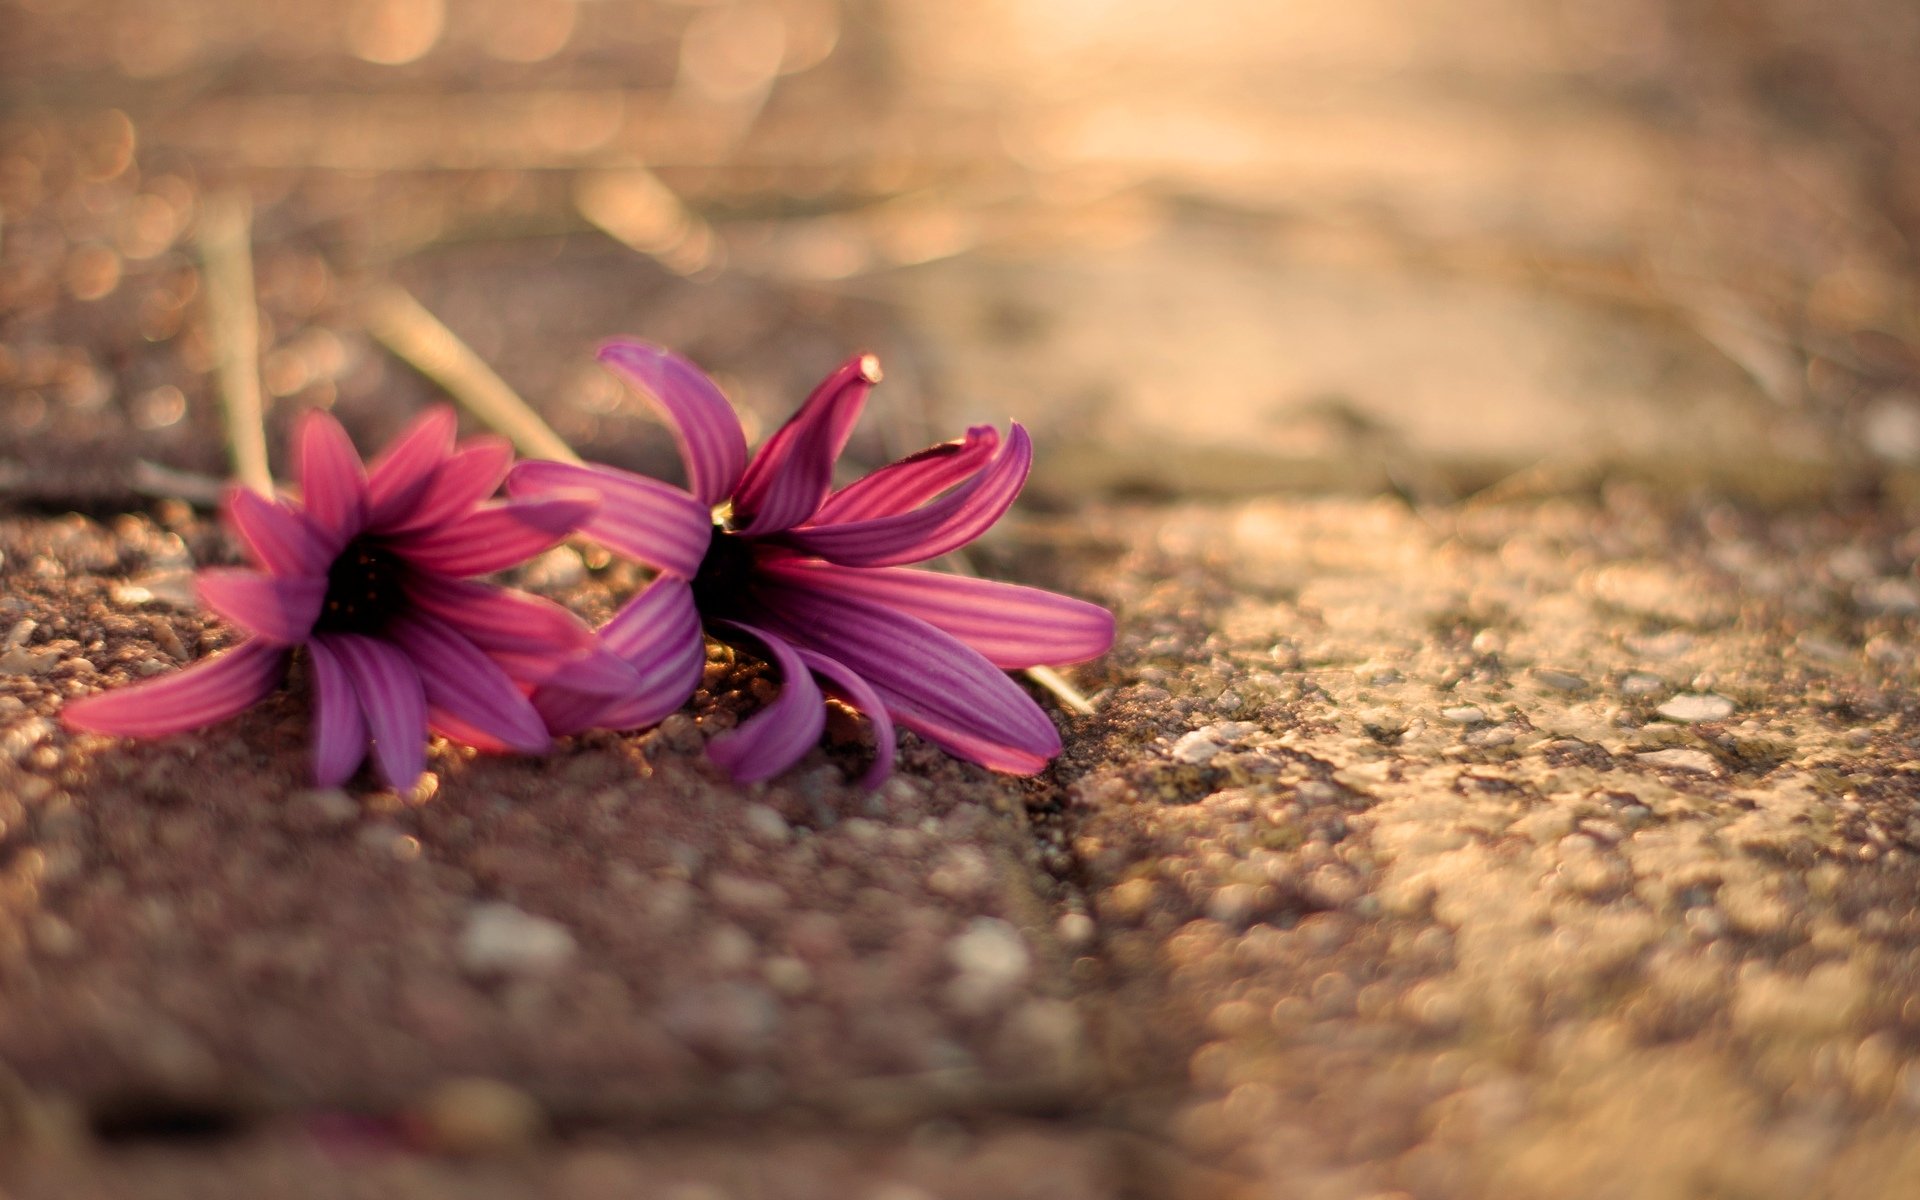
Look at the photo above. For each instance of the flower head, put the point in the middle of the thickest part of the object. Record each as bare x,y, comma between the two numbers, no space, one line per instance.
764,550
370,573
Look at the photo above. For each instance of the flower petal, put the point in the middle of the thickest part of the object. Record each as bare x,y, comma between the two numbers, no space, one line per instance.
463,682
595,671
280,538
917,478
658,634
462,481
277,610
333,483
1012,626
643,519
932,529
393,701
860,694
703,423
500,618
496,536
339,727
931,682
206,691
401,475
790,474
779,735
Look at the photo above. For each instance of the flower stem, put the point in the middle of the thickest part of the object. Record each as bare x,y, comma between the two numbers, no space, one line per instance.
233,319
405,327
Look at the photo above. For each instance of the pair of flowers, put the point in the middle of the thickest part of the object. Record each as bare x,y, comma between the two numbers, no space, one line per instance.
372,574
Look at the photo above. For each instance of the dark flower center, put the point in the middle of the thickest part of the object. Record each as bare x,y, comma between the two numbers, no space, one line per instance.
724,575
363,590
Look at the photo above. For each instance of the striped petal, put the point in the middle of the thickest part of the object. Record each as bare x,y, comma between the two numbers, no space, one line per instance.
930,681
790,474
643,519
498,618
932,529
1011,626
703,423
913,480
498,536
779,735
848,686
339,727
393,701
282,539
658,634
405,469
462,481
594,671
333,482
207,691
462,682
278,610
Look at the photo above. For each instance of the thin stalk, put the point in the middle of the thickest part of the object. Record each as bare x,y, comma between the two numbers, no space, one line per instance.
418,337
233,321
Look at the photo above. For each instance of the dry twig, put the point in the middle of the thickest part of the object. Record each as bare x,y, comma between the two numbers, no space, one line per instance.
233,319
405,327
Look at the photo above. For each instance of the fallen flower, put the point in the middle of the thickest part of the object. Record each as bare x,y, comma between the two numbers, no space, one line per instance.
818,579
370,573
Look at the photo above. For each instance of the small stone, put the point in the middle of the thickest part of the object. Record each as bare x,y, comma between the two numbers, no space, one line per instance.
1690,707
1559,681
1383,722
560,567
729,1019
501,939
992,960
1491,738
1697,761
1464,714
1892,595
315,809
23,737
765,824
1074,930
740,894
1196,747
788,976
477,1117
1642,684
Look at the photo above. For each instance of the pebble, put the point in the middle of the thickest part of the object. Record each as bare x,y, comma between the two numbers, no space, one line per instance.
502,939
765,824
1561,681
1682,760
992,959
1464,714
25,736
476,1117
728,1019
314,809
1642,684
1196,747
1691,707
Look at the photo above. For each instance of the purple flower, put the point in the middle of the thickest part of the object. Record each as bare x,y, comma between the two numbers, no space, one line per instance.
818,579
370,574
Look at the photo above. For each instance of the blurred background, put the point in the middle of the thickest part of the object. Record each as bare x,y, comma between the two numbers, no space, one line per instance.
1432,246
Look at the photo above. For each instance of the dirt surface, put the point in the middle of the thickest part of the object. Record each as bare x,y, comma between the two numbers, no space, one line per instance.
1494,425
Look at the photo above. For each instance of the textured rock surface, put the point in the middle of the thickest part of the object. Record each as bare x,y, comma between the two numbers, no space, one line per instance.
1567,947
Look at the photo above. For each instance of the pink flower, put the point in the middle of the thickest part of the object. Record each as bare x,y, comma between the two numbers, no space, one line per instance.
818,579
370,572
